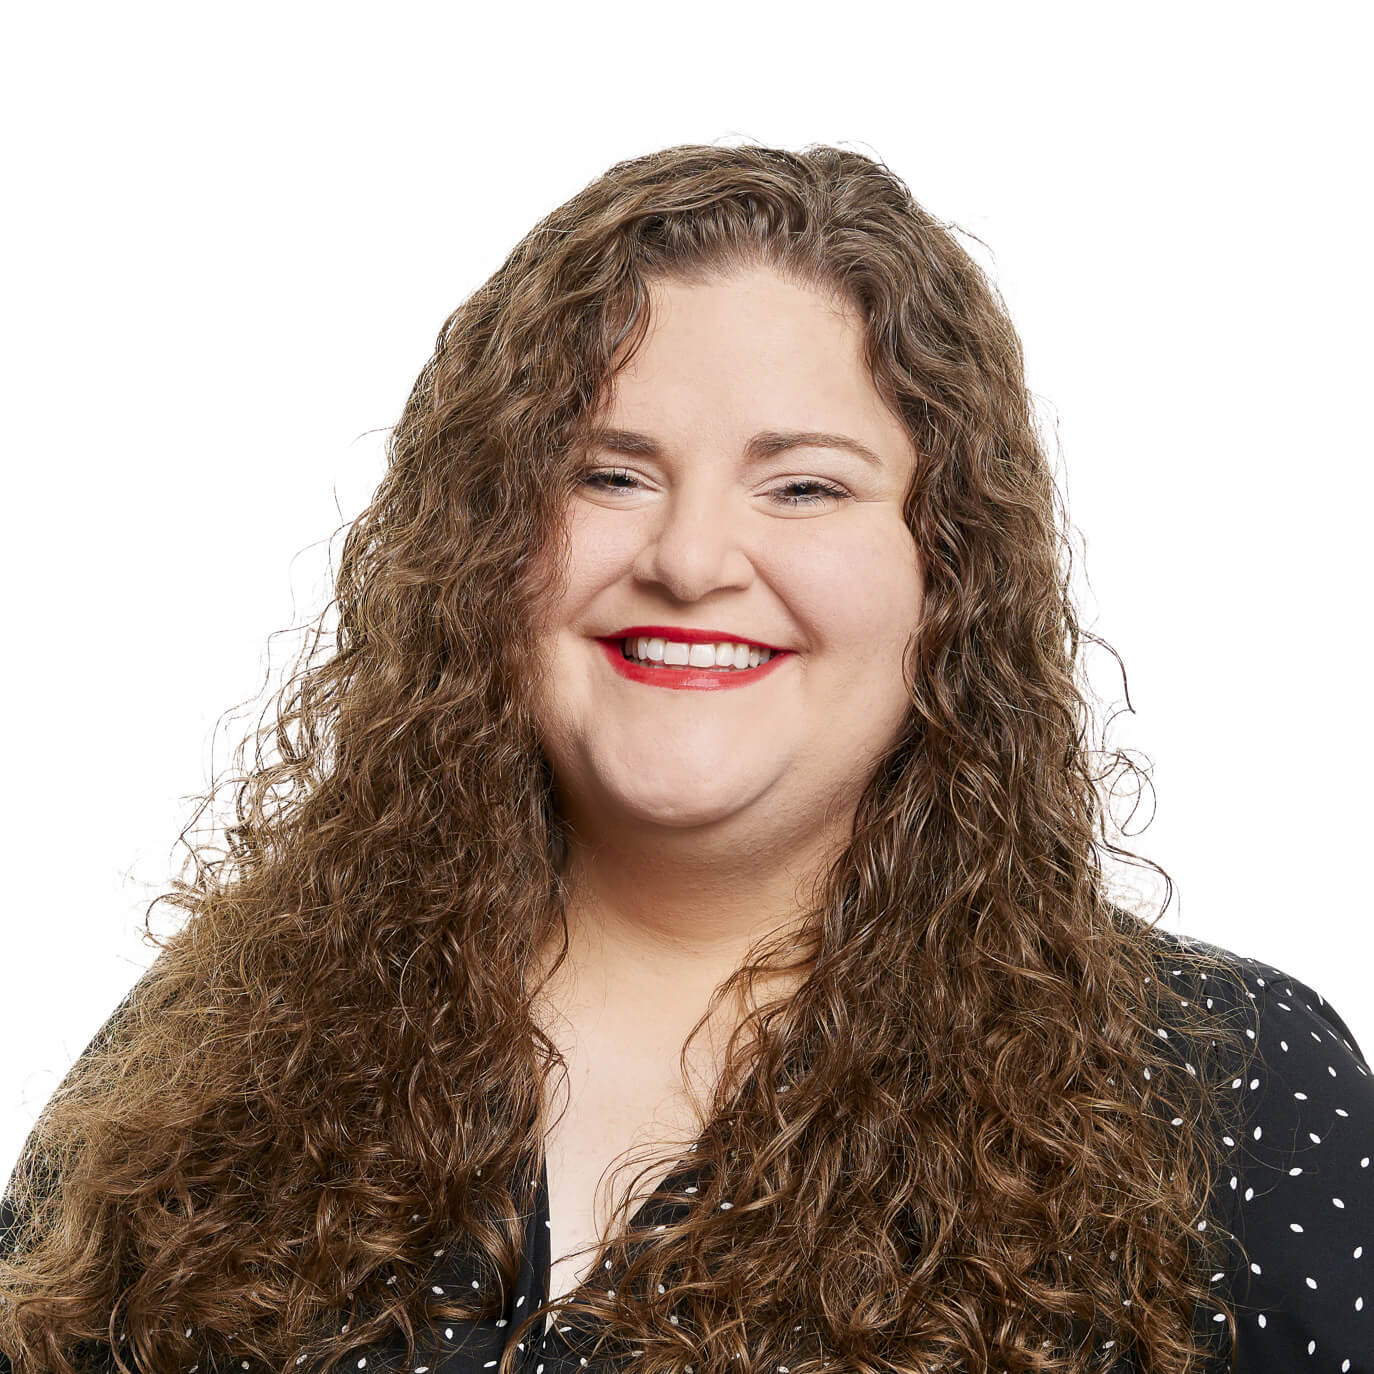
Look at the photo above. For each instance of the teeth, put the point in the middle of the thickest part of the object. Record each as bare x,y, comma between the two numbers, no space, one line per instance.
730,657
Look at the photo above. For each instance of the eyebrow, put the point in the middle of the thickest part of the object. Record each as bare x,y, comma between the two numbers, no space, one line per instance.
764,444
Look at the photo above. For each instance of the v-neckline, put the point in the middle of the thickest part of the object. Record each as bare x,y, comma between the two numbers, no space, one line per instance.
542,1257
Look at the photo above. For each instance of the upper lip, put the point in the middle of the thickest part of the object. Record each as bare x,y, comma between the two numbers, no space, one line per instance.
690,634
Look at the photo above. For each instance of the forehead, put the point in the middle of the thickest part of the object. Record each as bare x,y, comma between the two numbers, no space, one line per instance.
757,302
751,351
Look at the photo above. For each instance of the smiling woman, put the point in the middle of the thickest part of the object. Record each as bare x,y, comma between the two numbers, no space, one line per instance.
696,782
819,935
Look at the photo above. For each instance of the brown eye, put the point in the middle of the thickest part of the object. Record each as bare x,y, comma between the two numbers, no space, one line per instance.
600,479
826,490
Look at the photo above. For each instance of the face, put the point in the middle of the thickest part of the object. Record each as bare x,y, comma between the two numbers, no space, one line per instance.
688,518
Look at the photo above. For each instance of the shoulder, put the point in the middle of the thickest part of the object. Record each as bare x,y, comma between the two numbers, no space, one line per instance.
31,1174
1300,1039
1299,1190
30,1164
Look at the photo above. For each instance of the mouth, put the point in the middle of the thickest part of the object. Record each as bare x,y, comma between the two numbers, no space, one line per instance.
690,634
708,664
683,646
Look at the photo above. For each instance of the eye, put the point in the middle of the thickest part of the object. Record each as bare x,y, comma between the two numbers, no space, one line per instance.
825,490
807,491
604,475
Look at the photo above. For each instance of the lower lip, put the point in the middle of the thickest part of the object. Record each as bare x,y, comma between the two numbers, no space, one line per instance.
696,679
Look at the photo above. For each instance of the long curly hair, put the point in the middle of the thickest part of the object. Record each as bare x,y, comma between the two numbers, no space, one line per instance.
955,1143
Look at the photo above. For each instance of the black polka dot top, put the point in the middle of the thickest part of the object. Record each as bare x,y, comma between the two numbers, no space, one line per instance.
1297,1193
1300,1190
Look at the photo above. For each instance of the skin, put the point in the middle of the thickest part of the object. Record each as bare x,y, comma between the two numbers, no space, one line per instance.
701,817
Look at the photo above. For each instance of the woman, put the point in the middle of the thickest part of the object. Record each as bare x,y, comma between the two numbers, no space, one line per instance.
700,784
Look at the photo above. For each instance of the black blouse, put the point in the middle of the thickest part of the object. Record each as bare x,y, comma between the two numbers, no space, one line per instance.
1298,1194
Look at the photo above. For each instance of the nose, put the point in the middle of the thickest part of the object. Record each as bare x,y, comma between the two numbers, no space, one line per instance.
695,545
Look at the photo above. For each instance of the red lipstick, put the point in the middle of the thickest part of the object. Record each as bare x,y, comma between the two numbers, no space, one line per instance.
687,634
699,679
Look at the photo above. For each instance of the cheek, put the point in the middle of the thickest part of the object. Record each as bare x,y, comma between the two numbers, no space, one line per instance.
863,594
599,549
595,555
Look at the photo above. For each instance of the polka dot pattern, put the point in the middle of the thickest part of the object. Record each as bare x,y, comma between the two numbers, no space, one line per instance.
1298,1193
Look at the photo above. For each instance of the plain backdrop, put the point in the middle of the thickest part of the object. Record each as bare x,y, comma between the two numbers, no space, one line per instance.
234,232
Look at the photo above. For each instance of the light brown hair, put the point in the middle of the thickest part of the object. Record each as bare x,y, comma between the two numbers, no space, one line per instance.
956,1145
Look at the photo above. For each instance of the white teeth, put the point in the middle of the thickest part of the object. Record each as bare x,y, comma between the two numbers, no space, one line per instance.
729,656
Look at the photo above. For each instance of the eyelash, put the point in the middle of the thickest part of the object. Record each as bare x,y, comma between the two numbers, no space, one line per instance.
826,489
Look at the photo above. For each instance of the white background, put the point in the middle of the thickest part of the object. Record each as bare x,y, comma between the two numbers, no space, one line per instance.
235,230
